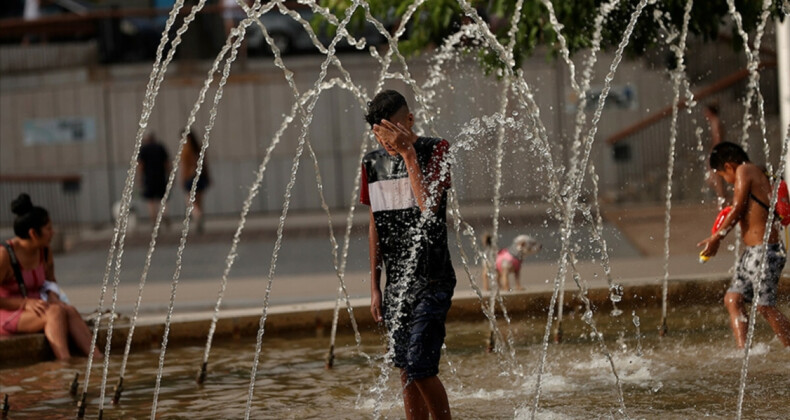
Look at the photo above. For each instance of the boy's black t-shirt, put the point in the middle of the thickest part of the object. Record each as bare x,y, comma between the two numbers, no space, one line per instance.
403,243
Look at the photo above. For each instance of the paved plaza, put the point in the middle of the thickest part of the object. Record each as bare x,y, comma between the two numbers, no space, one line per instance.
304,271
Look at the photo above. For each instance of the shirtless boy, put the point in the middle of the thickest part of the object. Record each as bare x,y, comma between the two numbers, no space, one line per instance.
752,190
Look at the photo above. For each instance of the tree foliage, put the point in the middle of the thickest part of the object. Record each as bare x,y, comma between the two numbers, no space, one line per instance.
437,19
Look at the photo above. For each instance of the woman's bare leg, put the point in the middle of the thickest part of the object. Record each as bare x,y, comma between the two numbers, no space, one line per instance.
79,332
55,325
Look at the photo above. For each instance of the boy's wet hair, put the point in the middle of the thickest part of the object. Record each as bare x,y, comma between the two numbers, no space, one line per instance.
384,106
726,152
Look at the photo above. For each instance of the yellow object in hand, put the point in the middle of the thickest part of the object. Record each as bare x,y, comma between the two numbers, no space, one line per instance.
703,258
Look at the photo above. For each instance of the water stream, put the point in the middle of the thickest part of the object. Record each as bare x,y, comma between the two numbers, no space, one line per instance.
518,121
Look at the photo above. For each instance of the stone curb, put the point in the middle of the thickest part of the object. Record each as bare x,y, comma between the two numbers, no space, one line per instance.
316,318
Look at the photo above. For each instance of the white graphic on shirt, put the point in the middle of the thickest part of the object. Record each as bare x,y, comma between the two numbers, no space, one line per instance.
391,194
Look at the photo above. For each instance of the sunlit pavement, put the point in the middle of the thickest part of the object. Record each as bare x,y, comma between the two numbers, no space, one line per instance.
304,271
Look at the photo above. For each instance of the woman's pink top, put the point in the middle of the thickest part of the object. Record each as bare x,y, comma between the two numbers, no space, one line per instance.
505,255
34,279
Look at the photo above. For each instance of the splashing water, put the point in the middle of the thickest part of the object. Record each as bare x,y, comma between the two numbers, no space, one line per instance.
769,225
679,51
515,93
636,322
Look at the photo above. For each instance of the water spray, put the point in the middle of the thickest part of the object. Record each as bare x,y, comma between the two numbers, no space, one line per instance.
330,358
116,396
677,77
306,120
560,310
329,361
154,82
81,405
636,321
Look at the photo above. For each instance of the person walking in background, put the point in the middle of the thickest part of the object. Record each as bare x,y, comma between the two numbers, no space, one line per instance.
189,164
153,165
714,181
750,210
27,276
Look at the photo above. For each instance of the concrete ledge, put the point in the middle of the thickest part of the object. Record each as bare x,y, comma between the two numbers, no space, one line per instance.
316,318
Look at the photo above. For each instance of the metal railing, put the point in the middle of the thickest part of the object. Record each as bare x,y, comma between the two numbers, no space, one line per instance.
641,150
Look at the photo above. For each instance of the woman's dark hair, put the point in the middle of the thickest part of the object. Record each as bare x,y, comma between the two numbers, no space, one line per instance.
384,106
28,216
726,152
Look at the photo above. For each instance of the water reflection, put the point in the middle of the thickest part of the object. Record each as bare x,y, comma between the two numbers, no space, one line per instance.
690,374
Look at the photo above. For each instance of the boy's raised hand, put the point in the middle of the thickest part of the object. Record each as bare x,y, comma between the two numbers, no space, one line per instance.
396,136
711,245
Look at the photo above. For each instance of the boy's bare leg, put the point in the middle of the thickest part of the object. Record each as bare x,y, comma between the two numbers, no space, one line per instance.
738,319
779,323
435,397
413,401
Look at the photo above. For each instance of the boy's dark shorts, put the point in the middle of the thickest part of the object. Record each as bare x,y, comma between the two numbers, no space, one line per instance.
419,340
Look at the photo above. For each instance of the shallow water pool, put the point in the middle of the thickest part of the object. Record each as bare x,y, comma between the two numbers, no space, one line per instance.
692,373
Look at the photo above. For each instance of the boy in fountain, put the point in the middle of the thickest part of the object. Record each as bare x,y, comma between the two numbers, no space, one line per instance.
750,209
405,184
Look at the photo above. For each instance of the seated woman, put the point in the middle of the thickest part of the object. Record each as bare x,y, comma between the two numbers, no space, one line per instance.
22,309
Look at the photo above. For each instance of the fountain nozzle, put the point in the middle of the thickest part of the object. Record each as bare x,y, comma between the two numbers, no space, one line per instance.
491,342
118,390
5,406
201,377
330,357
558,335
75,384
81,405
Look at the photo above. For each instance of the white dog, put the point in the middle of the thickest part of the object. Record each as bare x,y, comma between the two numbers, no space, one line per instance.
508,260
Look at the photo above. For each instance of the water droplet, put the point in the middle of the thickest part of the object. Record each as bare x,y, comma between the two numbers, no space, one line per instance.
587,316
